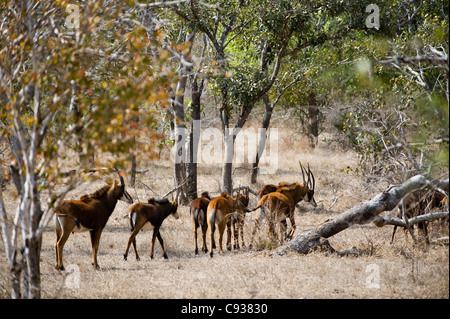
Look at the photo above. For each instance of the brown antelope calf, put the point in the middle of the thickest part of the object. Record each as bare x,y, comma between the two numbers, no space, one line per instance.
198,209
90,213
280,205
148,216
238,222
221,211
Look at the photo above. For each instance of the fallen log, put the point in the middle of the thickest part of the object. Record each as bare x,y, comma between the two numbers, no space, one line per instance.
360,214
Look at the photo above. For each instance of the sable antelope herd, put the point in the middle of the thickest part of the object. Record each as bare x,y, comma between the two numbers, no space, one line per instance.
276,204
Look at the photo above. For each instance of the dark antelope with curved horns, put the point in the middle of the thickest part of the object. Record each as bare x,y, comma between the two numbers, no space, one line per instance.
279,205
89,213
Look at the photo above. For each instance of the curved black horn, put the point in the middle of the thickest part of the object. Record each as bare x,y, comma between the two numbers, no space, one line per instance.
303,174
122,182
313,183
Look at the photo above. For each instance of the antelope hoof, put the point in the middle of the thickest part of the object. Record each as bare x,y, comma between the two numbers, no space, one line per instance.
196,251
96,266
165,256
137,258
125,257
151,256
57,267
205,250
211,254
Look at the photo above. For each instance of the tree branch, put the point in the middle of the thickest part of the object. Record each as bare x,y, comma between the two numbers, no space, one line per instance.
381,221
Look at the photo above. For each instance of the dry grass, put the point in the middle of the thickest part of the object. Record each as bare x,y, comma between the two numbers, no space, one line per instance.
405,270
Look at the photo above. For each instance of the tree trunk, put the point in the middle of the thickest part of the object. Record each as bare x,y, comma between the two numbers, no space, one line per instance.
15,267
262,137
133,168
32,247
15,169
227,179
180,159
32,273
313,120
180,136
133,158
179,124
362,213
194,137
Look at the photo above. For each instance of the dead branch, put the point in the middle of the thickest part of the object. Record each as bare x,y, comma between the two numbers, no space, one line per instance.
245,187
380,221
176,188
360,214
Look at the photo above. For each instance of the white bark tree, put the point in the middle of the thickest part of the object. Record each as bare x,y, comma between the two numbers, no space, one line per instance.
48,69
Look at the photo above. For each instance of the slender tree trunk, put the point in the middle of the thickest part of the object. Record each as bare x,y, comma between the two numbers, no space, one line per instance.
180,138
180,160
32,242
133,158
262,137
15,267
227,179
32,274
179,124
194,137
16,271
313,120
133,169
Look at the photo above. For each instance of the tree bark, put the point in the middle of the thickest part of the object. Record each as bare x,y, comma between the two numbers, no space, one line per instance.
313,120
228,163
194,137
179,124
262,137
362,213
380,221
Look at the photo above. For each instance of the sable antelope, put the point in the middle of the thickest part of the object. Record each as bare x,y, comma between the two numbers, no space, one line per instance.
279,205
420,203
221,211
198,209
148,216
90,213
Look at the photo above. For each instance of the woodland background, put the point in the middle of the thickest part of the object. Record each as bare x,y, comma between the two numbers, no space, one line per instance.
85,85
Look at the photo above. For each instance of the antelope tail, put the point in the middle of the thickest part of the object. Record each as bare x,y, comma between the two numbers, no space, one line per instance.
132,225
74,219
252,210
